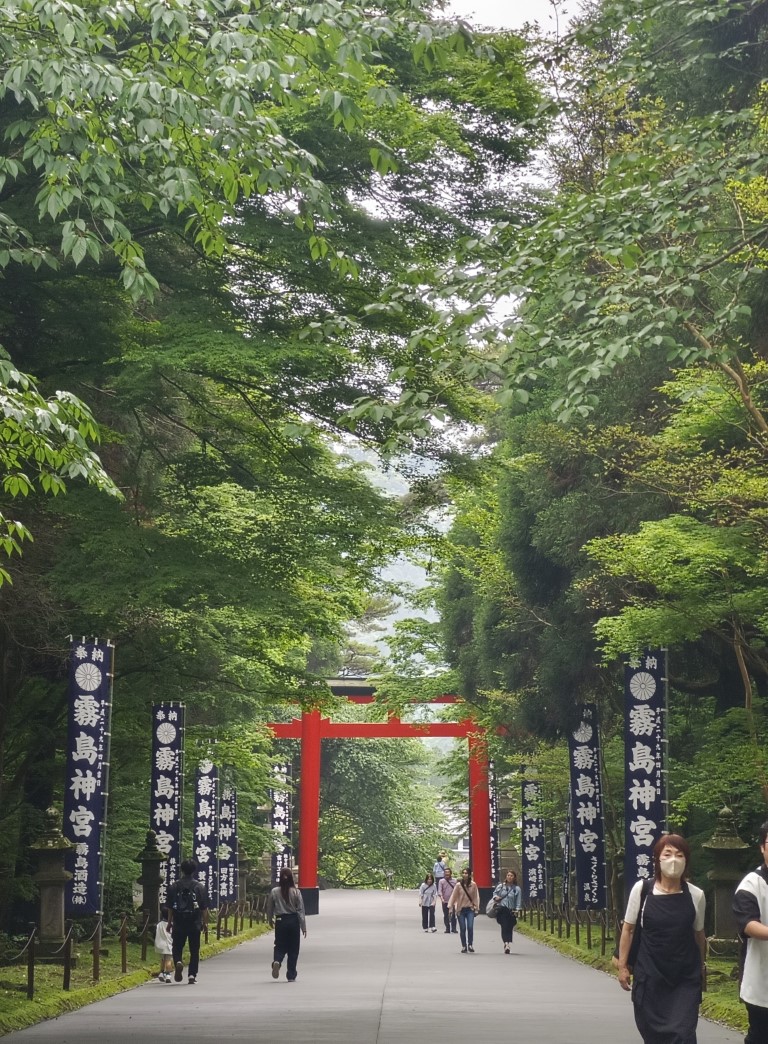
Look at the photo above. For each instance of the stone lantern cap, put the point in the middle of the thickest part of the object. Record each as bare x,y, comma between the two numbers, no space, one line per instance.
150,851
725,837
52,839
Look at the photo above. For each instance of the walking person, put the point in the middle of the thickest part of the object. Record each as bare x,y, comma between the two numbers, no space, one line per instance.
465,900
285,909
444,889
750,907
187,916
427,899
438,870
669,968
509,902
164,946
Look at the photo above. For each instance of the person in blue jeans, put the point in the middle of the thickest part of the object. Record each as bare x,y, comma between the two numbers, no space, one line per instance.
465,900
509,902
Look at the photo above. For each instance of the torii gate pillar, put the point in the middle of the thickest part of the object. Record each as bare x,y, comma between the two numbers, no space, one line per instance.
480,814
309,810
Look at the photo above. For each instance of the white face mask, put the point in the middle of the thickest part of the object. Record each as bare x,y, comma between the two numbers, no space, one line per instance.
672,866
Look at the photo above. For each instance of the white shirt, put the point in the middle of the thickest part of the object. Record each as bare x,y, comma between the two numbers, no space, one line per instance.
754,982
633,903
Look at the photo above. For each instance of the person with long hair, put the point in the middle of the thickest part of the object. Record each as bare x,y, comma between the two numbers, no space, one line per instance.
465,900
509,902
285,909
427,899
669,968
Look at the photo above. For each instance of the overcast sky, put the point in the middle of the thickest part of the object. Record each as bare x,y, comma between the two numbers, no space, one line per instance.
506,14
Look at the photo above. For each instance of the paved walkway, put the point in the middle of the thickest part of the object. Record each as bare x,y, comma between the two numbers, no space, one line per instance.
369,975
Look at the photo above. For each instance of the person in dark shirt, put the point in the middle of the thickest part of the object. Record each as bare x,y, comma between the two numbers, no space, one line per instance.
187,916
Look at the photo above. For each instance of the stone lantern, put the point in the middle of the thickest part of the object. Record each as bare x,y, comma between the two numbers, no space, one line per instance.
150,858
51,877
728,856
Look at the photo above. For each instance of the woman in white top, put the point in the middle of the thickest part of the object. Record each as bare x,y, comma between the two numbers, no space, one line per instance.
669,966
427,897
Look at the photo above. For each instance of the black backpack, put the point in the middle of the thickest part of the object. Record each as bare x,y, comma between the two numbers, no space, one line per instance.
185,900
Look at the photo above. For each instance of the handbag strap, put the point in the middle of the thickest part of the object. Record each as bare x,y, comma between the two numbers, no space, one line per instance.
467,893
644,890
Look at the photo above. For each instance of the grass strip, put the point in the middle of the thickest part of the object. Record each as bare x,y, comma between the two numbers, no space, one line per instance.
720,1003
16,1012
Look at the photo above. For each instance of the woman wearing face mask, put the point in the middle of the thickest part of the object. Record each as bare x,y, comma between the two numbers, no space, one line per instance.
669,966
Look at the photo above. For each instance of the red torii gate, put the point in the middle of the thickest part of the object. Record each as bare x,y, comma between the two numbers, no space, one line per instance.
312,728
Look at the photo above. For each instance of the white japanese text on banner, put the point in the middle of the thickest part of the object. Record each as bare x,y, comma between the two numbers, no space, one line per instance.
205,844
534,883
645,725
165,802
587,811
87,772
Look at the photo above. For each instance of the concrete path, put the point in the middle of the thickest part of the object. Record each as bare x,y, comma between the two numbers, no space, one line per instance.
369,975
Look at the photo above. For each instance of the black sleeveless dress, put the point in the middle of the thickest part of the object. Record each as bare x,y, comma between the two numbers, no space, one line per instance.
666,988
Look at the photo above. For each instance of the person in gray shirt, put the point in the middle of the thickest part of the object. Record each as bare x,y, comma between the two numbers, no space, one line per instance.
285,910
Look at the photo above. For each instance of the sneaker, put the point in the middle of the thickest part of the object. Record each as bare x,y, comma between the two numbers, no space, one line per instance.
291,980
426,929
454,931
463,949
179,971
447,931
275,969
471,949
506,949
162,977
433,929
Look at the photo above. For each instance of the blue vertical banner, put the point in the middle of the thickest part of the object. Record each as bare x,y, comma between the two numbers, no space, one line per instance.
493,804
281,819
86,786
534,884
645,740
165,801
205,836
567,843
228,857
587,812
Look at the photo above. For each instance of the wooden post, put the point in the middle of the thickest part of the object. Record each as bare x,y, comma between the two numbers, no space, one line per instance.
124,943
67,960
97,951
31,965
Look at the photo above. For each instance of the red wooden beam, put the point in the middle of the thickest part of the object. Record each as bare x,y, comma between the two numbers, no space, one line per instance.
393,729
445,698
